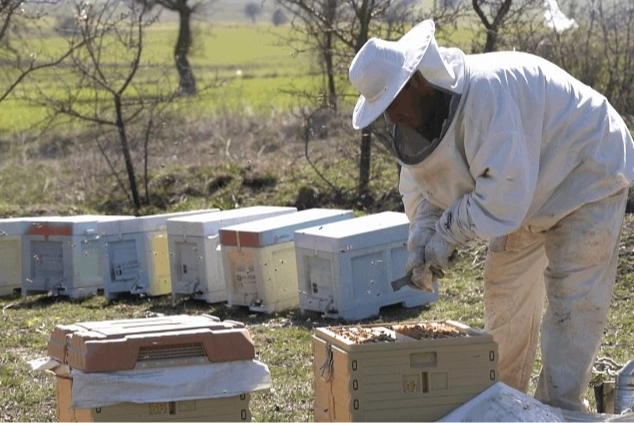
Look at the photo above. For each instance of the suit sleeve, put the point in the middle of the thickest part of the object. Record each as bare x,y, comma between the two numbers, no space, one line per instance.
422,215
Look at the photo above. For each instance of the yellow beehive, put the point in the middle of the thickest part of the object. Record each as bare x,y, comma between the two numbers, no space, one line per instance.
388,372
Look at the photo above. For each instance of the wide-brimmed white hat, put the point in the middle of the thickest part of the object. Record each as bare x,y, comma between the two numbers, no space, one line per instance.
382,68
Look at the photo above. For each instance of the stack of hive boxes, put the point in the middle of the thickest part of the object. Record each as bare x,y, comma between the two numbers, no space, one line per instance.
196,268
135,255
259,258
173,368
417,371
62,255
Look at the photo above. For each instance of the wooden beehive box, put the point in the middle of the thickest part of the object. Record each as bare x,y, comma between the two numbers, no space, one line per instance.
414,371
228,409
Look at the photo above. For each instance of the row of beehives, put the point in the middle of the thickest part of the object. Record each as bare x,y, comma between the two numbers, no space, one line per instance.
266,258
198,368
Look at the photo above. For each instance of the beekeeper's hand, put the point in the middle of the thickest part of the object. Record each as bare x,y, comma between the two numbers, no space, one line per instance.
439,253
422,273
417,239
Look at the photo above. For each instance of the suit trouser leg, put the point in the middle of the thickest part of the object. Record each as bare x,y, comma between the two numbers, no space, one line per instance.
513,302
583,256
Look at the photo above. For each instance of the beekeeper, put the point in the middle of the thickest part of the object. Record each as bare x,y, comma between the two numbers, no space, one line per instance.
507,147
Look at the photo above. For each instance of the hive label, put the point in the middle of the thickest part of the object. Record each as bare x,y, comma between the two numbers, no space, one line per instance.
411,383
158,408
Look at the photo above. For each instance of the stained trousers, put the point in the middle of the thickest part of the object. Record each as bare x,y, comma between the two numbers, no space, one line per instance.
571,269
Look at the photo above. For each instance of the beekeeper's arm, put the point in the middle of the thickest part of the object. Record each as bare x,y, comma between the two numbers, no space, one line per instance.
423,217
503,159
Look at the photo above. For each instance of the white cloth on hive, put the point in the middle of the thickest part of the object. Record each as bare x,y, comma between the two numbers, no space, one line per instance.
179,383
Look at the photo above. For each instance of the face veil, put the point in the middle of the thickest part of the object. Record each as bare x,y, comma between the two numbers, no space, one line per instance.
411,146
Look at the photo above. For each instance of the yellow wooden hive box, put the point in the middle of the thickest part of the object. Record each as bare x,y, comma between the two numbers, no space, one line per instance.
414,371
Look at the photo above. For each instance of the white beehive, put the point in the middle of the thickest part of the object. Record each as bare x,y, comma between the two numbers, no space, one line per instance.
194,247
345,268
136,258
62,255
259,258
11,232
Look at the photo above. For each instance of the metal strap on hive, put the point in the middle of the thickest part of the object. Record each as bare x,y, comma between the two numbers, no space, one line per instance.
168,352
326,367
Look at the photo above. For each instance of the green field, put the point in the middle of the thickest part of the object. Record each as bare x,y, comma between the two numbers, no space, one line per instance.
236,68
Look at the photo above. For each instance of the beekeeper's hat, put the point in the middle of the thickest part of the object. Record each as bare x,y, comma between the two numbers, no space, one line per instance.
382,68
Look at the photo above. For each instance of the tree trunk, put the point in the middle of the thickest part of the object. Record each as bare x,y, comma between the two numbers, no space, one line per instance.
492,27
364,162
125,149
330,73
187,82
492,37
331,15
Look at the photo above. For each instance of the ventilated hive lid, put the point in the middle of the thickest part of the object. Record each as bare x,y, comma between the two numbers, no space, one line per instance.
113,345
209,224
275,230
355,234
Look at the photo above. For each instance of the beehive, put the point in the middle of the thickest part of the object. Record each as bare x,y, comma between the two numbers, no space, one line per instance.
112,345
136,258
11,232
259,258
111,360
413,371
62,255
229,409
345,268
194,245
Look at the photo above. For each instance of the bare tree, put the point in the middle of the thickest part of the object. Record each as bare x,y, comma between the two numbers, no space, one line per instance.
335,30
278,18
100,92
185,9
252,11
599,52
500,16
16,19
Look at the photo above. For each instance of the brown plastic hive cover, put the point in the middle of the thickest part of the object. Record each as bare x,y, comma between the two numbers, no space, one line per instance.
113,345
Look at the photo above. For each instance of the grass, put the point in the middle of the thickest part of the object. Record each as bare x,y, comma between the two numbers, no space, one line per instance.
282,340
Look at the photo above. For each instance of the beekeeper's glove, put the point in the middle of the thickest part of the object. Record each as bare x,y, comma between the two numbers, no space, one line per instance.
439,253
417,239
422,273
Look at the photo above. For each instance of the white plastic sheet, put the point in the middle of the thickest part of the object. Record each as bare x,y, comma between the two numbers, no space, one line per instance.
555,19
501,403
179,383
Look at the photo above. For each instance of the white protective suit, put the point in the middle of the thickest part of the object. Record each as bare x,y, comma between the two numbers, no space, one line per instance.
539,164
